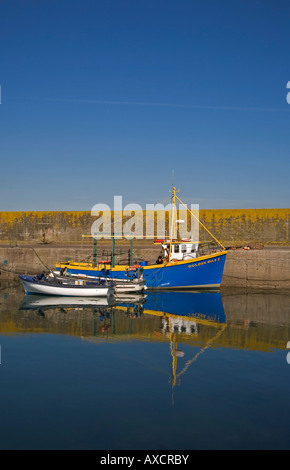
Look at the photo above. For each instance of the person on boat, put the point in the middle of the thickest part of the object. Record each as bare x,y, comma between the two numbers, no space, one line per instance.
159,260
40,276
165,254
130,274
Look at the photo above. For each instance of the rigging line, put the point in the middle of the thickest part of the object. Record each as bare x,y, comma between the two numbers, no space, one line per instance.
14,271
209,344
43,262
155,274
200,223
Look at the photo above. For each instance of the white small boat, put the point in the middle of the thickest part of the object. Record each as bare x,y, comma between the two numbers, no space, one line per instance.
78,288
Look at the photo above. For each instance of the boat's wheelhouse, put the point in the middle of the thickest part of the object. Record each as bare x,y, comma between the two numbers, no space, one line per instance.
180,250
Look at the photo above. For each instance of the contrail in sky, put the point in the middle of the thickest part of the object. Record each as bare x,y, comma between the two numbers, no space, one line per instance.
166,105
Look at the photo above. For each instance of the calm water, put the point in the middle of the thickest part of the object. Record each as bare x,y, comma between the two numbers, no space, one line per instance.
171,371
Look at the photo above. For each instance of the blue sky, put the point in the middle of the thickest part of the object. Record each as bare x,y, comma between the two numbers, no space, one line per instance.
102,98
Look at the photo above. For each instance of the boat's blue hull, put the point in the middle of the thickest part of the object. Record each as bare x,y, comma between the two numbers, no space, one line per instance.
203,305
200,273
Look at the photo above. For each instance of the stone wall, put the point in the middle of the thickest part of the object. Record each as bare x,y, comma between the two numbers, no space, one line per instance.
57,226
267,269
230,226
239,226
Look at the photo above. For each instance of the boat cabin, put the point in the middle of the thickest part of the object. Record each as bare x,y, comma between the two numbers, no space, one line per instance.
180,250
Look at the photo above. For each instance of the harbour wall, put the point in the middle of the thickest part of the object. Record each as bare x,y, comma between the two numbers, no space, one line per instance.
229,226
268,268
32,241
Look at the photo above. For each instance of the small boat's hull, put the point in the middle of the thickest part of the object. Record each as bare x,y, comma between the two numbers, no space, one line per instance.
33,286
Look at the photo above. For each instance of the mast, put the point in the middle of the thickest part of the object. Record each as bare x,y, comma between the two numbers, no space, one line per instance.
173,212
174,197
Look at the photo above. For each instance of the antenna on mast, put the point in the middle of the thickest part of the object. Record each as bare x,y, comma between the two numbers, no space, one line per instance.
173,188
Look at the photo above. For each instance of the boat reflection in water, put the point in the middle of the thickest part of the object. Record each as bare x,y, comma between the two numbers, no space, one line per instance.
206,305
170,370
192,318
183,306
183,315
45,302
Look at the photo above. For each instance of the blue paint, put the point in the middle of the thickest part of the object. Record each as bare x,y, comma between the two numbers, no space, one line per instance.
194,273
206,305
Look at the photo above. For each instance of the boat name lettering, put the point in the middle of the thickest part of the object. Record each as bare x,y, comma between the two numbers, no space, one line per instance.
203,262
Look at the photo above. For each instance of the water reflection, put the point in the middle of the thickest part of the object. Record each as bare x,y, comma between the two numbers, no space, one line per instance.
191,317
134,352
177,318
256,321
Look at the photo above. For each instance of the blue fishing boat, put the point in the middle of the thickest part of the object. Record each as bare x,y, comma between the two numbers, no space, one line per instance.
181,265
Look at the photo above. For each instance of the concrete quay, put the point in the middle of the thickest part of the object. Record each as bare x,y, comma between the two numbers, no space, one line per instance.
267,268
